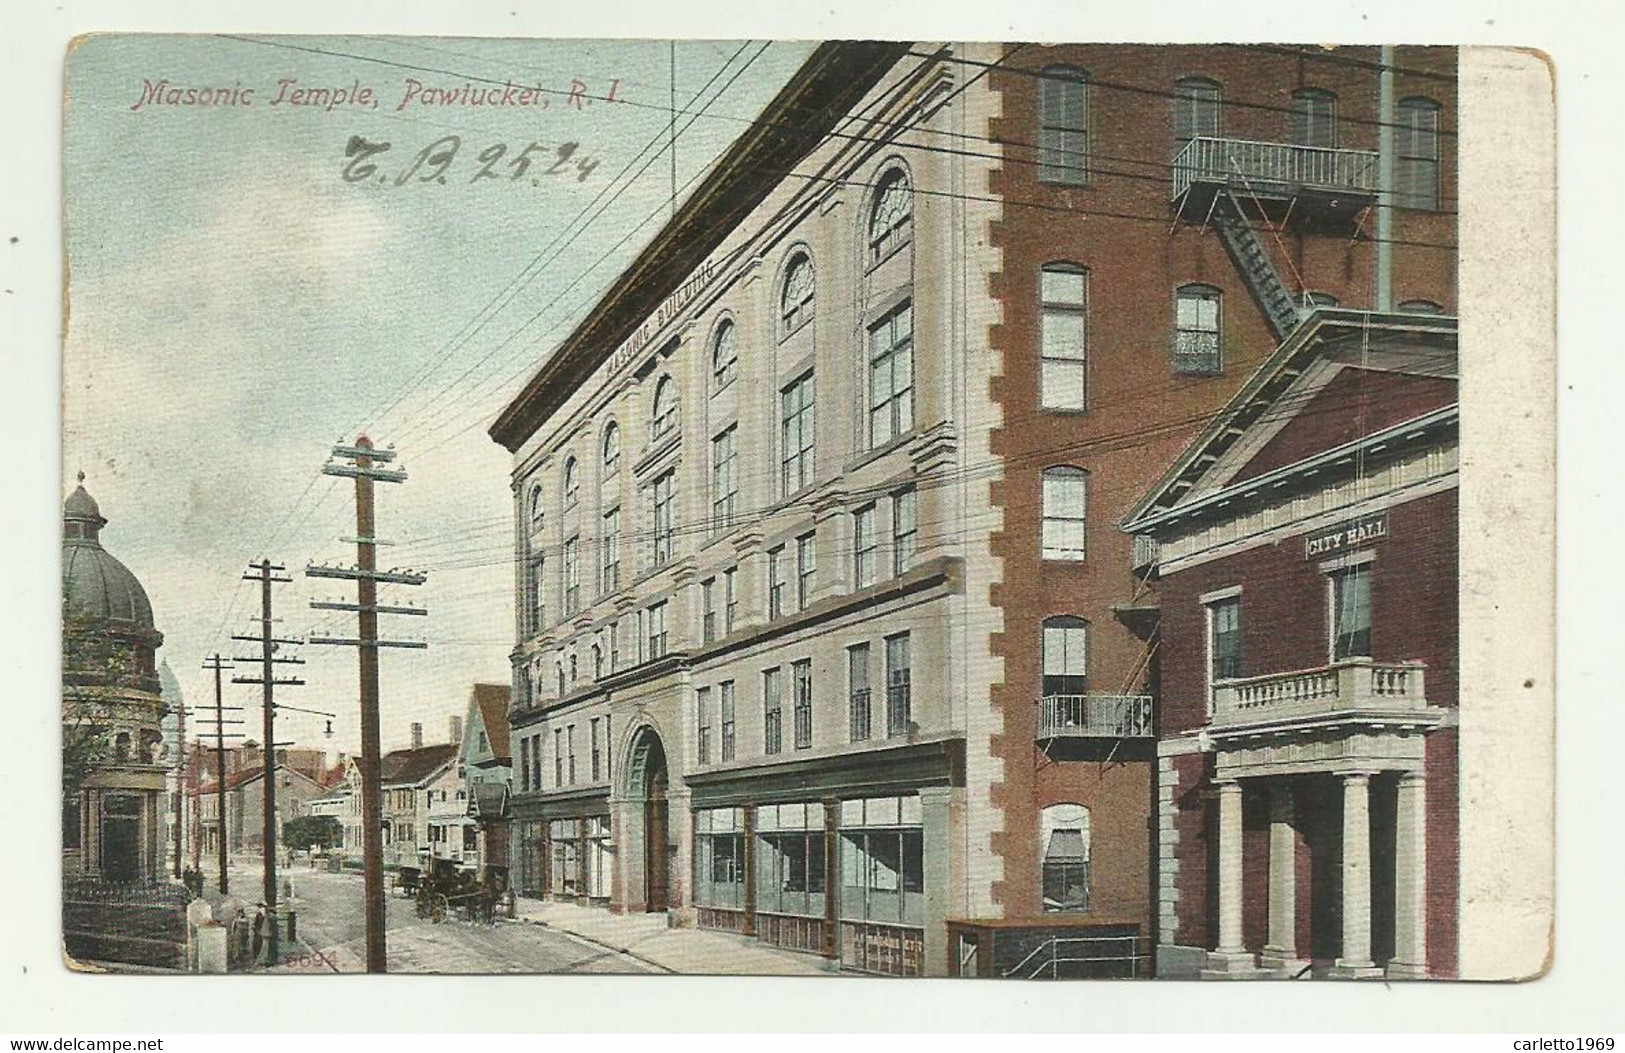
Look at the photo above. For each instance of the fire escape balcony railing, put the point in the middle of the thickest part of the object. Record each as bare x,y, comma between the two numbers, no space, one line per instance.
1272,168
1352,686
1095,716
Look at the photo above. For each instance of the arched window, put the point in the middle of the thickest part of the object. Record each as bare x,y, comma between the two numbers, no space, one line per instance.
538,512
724,355
892,217
1066,657
1314,118
612,449
575,669
1063,125
796,301
572,483
1196,330
1421,307
597,662
1066,502
558,672
1064,849
1417,146
121,747
1063,337
1196,109
663,419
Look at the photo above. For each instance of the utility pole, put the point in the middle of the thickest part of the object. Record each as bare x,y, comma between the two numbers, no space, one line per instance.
220,734
363,459
265,572
180,785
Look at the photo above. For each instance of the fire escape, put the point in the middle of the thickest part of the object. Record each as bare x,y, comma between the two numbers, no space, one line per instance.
1239,186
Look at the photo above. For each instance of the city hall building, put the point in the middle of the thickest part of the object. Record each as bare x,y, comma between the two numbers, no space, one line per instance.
827,632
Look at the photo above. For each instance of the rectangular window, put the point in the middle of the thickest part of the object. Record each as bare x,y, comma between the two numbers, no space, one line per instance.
1351,612
857,681
801,673
597,759
891,376
1417,144
772,712
572,577
558,757
1224,638
614,633
775,582
1065,501
1063,337
524,764
796,436
657,630
904,529
1196,330
708,609
730,598
726,717
865,548
724,478
609,553
702,725
806,569
535,605
570,752
663,498
1063,126
897,685
1314,118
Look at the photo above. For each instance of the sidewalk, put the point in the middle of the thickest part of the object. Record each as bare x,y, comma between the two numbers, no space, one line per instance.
646,938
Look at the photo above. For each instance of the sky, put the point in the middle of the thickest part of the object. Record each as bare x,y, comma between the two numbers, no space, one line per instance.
242,295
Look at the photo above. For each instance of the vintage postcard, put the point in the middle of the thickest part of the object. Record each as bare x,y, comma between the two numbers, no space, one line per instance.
896,508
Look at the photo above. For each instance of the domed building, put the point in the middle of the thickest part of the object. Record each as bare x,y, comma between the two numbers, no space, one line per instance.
112,710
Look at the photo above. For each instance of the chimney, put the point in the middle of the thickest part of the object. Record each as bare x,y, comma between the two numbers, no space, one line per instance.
417,735
455,730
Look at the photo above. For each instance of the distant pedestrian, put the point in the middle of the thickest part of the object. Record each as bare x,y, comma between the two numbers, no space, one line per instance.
259,930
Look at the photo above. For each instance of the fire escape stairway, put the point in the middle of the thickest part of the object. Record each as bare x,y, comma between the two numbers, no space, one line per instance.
1248,253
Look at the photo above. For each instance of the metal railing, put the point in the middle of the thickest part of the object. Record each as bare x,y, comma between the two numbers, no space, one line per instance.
1095,716
1076,957
1352,684
1271,166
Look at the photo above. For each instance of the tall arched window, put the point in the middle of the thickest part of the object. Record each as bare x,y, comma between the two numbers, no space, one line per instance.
1314,118
663,417
1197,340
538,511
1066,504
1063,125
1417,146
891,219
612,449
796,300
1064,849
1066,656
572,483
1196,109
724,355
1063,337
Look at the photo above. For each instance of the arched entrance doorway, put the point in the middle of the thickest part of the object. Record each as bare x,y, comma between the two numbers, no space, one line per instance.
648,785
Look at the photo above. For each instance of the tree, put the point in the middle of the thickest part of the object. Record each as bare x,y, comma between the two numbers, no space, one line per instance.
311,831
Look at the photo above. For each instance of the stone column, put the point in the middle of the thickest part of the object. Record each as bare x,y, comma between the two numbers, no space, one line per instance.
750,869
1355,961
1230,957
1410,880
680,832
1281,951
936,815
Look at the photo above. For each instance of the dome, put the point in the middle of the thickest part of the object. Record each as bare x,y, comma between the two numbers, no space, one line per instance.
94,583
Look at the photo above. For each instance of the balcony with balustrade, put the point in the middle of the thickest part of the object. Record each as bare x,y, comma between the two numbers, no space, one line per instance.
1338,180
1354,690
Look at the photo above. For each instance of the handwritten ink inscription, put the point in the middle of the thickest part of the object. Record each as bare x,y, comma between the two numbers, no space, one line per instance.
432,163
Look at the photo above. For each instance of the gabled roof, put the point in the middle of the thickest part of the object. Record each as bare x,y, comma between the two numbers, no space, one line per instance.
826,87
413,766
1264,398
247,775
490,702
331,777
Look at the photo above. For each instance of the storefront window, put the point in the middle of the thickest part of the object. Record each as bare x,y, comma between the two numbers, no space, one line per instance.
790,859
719,857
566,868
882,851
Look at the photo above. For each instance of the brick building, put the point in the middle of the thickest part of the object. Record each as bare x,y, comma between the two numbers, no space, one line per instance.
881,679
1304,554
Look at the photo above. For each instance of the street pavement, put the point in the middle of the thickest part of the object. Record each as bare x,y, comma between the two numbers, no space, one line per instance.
331,929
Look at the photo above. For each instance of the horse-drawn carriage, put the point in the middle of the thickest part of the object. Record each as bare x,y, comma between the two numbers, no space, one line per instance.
444,890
